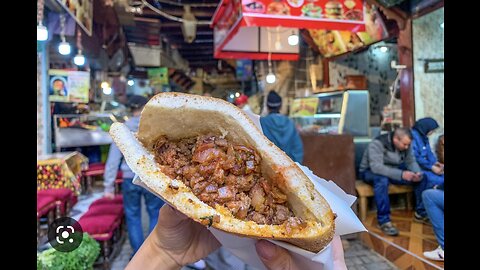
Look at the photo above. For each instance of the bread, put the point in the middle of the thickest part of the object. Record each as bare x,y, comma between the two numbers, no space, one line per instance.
180,116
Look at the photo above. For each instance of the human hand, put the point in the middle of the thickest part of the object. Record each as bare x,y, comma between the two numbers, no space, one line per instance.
275,257
408,175
175,241
417,177
109,195
437,169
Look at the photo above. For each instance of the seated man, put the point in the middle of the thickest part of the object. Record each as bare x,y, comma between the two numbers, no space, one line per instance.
389,159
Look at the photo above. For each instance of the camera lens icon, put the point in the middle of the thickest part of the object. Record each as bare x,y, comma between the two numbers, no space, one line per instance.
65,234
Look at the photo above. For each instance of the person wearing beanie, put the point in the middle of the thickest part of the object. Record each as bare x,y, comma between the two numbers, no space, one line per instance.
132,193
280,129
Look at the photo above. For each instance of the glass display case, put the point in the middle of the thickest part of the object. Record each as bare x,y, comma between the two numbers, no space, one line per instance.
77,130
337,112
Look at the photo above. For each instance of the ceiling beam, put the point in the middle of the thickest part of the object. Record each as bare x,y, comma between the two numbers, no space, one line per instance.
178,12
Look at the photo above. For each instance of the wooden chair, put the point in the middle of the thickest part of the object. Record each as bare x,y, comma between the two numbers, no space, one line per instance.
365,191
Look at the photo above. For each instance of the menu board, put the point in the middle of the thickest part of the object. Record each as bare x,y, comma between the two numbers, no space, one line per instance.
304,106
69,86
331,43
334,10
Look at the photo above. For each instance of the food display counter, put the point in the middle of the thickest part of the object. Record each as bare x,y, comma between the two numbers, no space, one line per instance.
76,130
61,170
336,112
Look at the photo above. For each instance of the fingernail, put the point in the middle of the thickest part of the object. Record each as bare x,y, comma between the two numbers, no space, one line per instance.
266,250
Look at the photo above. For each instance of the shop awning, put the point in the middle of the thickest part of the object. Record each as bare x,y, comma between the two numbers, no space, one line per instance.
252,29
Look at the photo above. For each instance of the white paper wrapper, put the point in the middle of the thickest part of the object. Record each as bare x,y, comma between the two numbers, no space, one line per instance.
345,223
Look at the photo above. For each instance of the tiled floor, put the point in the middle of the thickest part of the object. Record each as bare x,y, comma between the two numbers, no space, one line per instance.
357,255
406,249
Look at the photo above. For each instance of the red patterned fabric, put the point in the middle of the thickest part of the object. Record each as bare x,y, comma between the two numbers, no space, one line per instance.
45,203
105,209
104,224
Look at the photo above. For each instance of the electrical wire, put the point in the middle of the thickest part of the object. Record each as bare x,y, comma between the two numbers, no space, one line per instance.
171,17
192,5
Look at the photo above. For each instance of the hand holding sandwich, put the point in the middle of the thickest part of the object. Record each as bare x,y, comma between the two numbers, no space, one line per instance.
177,241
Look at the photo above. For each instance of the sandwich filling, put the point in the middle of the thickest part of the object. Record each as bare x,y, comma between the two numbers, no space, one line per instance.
222,173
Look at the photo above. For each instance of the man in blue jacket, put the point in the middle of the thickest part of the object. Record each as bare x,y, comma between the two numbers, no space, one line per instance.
280,129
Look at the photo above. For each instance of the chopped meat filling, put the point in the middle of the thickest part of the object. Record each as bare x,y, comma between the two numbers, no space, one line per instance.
219,172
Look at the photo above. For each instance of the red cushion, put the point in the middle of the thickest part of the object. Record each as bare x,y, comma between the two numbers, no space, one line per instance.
118,199
105,209
44,204
62,194
103,224
94,169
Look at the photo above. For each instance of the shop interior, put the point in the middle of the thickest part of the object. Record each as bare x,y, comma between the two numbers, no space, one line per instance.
341,86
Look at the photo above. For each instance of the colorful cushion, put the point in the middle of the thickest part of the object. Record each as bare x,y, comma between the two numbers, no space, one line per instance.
45,203
99,225
105,209
94,169
62,194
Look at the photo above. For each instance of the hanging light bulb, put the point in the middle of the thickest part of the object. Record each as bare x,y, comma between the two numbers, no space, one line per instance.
104,85
79,59
42,31
271,77
107,90
130,82
293,39
64,47
383,49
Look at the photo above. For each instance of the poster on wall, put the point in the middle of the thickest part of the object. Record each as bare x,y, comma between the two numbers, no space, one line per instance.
81,11
158,77
244,70
334,10
69,86
332,43
304,106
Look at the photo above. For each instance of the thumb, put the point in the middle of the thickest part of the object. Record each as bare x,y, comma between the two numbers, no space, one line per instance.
274,257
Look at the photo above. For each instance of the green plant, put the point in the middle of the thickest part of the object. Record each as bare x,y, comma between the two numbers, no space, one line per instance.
81,258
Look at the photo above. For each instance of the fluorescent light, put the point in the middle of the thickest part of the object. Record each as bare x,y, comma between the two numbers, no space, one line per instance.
441,25
42,33
130,82
383,49
270,77
107,90
64,48
79,59
293,39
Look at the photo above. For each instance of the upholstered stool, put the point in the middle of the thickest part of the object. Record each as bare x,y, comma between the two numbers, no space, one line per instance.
63,197
118,199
